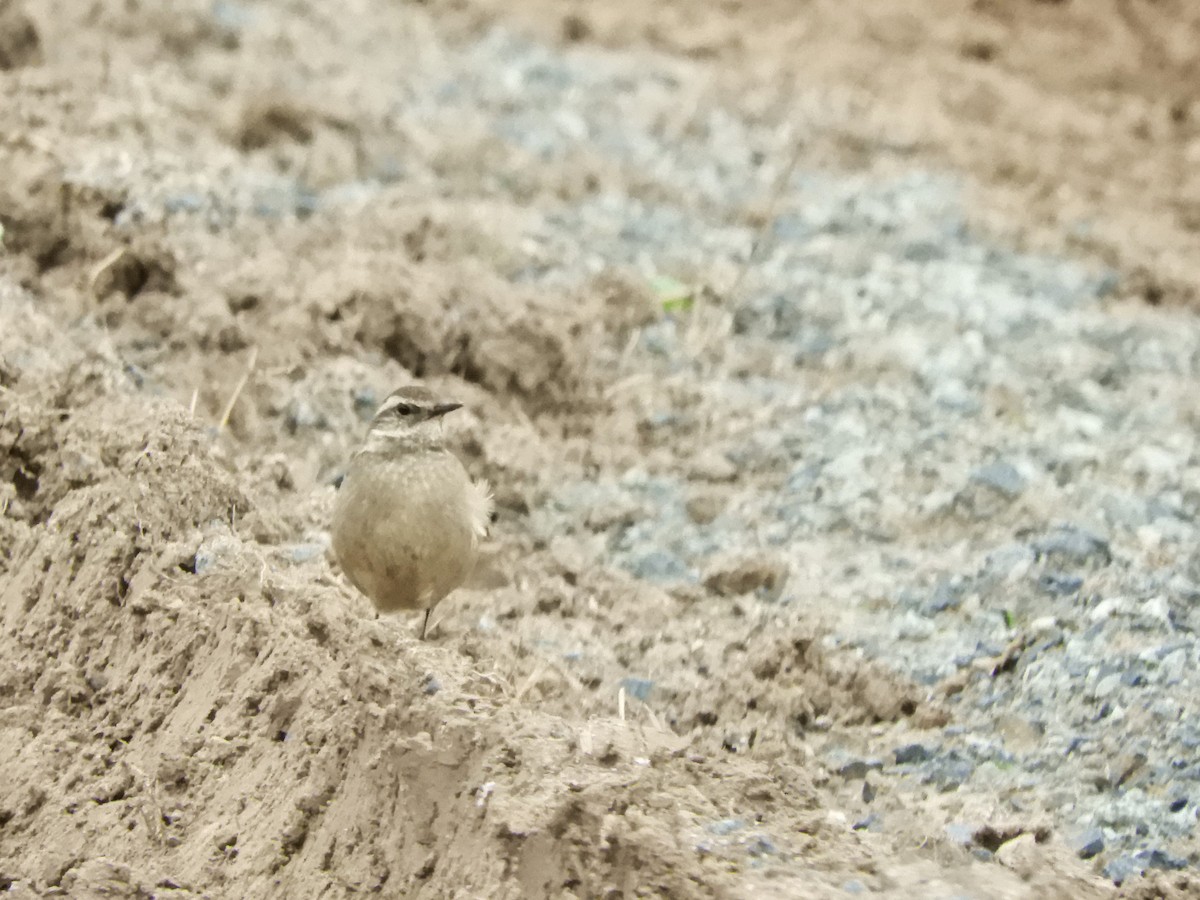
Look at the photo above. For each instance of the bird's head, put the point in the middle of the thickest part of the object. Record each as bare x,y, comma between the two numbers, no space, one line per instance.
409,419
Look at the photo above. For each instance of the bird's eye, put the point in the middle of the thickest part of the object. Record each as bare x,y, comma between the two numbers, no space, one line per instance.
404,409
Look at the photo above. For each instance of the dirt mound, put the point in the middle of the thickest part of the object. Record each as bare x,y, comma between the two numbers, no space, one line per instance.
189,710
177,703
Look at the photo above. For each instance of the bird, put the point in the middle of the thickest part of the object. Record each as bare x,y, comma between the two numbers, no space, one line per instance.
408,518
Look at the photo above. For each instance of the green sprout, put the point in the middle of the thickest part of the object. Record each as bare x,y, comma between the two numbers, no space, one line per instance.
673,295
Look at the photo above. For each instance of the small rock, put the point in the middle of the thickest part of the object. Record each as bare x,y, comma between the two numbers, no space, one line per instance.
873,822
185,202
301,415
1087,843
914,627
1149,537
365,403
213,553
1107,686
1009,562
945,596
936,504
1020,732
98,877
825,723
725,826
1060,584
225,839
232,16
1121,869
1001,477
1153,463
613,511
961,833
761,845
1110,606
1170,710
1044,626
1161,859
660,338
954,395
1173,665
1158,611
1021,854
912,753
298,554
950,772
858,768
638,688
1133,679
658,565
756,575
1124,510
1069,545
704,508
713,466
835,818
803,478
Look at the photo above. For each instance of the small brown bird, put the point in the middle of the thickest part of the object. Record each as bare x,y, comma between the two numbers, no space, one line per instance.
408,518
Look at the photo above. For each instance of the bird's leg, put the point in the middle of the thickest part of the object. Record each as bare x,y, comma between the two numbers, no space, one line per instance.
425,624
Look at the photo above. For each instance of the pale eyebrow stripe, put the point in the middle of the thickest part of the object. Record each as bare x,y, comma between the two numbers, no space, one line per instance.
389,404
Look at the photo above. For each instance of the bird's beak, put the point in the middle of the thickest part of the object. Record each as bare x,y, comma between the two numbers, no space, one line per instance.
442,408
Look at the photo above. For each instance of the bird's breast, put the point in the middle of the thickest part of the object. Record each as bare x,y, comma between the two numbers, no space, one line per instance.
407,501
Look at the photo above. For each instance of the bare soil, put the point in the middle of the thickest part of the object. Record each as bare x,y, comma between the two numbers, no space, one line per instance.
195,703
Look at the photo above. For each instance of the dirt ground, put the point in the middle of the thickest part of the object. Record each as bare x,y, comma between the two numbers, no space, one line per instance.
1079,123
200,304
